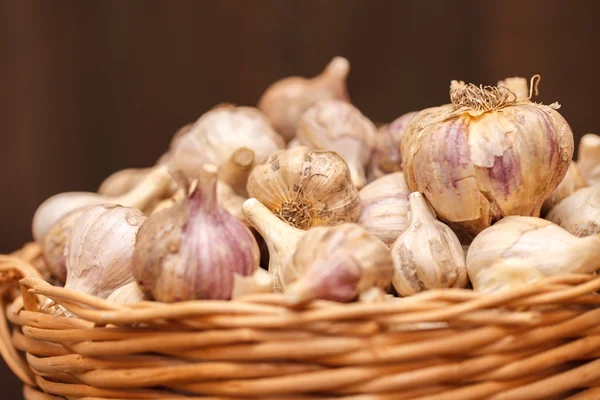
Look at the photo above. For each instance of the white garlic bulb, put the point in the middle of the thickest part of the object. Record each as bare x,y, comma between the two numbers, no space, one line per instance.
122,181
384,207
100,249
519,250
281,239
306,188
578,213
130,293
572,182
218,133
193,249
338,263
285,101
155,186
338,126
428,255
588,158
485,156
386,157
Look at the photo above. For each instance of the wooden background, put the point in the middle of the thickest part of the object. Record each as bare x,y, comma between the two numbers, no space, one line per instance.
90,87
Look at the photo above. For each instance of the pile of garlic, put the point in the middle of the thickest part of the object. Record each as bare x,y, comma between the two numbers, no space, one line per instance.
304,196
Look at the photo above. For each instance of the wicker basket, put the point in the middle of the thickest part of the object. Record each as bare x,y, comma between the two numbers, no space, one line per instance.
535,342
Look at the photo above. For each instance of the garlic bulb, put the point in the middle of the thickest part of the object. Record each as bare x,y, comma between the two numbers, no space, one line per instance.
127,294
338,126
285,101
281,239
428,255
519,250
193,249
485,156
122,181
306,188
517,85
386,157
572,182
155,186
166,157
235,172
588,158
100,249
338,263
218,133
294,143
384,207
578,213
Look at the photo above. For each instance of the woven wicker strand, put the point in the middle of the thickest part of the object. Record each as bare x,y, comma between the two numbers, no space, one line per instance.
540,341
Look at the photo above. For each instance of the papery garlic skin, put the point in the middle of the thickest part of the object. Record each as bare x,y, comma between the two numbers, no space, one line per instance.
155,186
219,133
588,158
100,249
572,182
281,240
578,213
427,255
122,181
193,249
336,125
519,250
387,157
130,293
306,188
477,165
384,207
338,263
285,101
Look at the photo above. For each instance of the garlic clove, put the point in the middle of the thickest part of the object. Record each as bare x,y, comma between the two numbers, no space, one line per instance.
338,126
579,213
130,293
235,172
306,188
281,240
572,182
427,255
338,263
193,249
100,249
219,133
384,207
259,282
588,158
155,186
386,157
122,181
285,101
519,250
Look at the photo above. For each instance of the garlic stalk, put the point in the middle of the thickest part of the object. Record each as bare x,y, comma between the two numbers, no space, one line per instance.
127,294
235,172
193,249
384,207
517,85
386,157
572,182
338,263
519,250
306,188
588,158
122,181
338,126
486,155
428,255
100,249
281,240
578,213
155,186
218,133
285,101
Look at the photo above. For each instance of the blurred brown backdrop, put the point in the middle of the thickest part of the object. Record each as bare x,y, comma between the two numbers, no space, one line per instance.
90,87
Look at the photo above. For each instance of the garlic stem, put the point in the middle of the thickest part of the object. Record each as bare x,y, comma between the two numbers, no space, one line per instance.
235,172
205,194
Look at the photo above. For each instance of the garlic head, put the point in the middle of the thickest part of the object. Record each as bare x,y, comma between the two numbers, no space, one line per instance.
578,213
122,181
386,157
588,158
572,182
127,294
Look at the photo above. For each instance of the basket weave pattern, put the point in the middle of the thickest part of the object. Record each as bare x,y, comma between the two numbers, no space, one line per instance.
536,342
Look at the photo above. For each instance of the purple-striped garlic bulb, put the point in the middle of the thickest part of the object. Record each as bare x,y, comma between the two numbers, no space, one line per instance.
193,249
487,155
